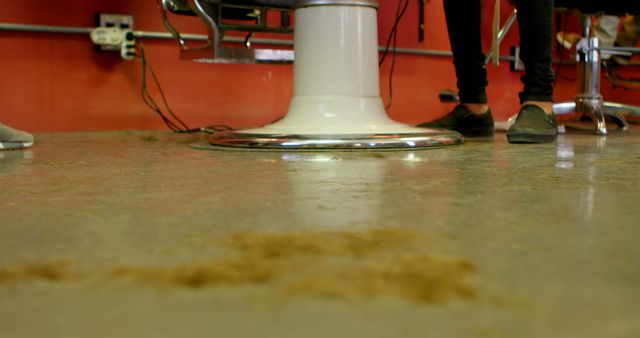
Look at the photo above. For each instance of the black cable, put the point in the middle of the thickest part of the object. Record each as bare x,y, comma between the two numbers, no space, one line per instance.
562,52
173,122
393,36
148,99
399,13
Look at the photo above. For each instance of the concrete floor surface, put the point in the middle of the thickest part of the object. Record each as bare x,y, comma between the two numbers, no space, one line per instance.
135,234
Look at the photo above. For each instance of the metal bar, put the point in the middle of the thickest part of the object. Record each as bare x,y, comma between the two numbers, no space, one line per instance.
168,36
16,27
501,34
624,50
200,37
507,25
434,52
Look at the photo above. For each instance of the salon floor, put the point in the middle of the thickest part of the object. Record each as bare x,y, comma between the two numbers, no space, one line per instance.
138,235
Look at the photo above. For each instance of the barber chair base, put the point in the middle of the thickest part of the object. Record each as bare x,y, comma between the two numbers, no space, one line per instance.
621,109
589,101
336,103
411,140
597,110
329,122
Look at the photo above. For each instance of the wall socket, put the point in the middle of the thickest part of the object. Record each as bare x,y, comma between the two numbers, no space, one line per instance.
120,21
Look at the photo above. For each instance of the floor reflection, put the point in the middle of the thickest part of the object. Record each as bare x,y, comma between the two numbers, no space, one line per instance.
11,159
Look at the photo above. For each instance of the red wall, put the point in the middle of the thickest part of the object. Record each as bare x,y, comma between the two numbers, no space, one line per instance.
60,83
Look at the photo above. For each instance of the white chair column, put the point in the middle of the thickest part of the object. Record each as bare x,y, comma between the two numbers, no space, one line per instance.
336,102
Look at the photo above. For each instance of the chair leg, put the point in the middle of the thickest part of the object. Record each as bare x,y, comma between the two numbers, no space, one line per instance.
594,108
564,108
589,100
597,113
618,110
625,109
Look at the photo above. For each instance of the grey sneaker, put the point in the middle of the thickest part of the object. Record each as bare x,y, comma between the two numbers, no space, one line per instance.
464,121
14,139
533,125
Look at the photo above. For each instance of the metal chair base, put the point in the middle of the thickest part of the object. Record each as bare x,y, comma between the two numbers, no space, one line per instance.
597,111
429,138
589,100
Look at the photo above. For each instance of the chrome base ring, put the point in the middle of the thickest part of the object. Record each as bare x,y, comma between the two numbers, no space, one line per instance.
429,138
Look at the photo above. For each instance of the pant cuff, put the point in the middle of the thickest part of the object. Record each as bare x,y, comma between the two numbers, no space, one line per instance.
535,97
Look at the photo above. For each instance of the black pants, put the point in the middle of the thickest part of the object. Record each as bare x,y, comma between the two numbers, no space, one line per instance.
536,30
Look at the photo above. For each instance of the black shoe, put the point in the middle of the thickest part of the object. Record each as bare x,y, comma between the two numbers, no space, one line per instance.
462,120
533,125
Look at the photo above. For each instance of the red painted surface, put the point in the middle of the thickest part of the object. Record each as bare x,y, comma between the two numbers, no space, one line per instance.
60,83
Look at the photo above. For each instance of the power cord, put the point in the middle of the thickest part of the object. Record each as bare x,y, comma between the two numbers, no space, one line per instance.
173,122
562,53
393,38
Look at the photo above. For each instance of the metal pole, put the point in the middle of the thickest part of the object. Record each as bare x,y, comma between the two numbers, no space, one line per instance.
16,27
13,27
501,34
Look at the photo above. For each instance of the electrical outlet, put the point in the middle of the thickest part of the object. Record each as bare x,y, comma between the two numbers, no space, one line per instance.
122,39
107,37
116,21
128,49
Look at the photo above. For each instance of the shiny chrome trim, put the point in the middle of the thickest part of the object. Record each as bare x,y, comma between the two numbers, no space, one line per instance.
234,55
592,106
361,3
624,109
274,56
501,34
430,138
213,32
166,6
589,100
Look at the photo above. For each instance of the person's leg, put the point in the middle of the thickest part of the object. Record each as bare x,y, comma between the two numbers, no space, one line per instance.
463,23
535,122
14,139
472,117
536,30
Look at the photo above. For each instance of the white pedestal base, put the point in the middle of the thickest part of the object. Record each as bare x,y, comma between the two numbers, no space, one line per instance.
336,102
